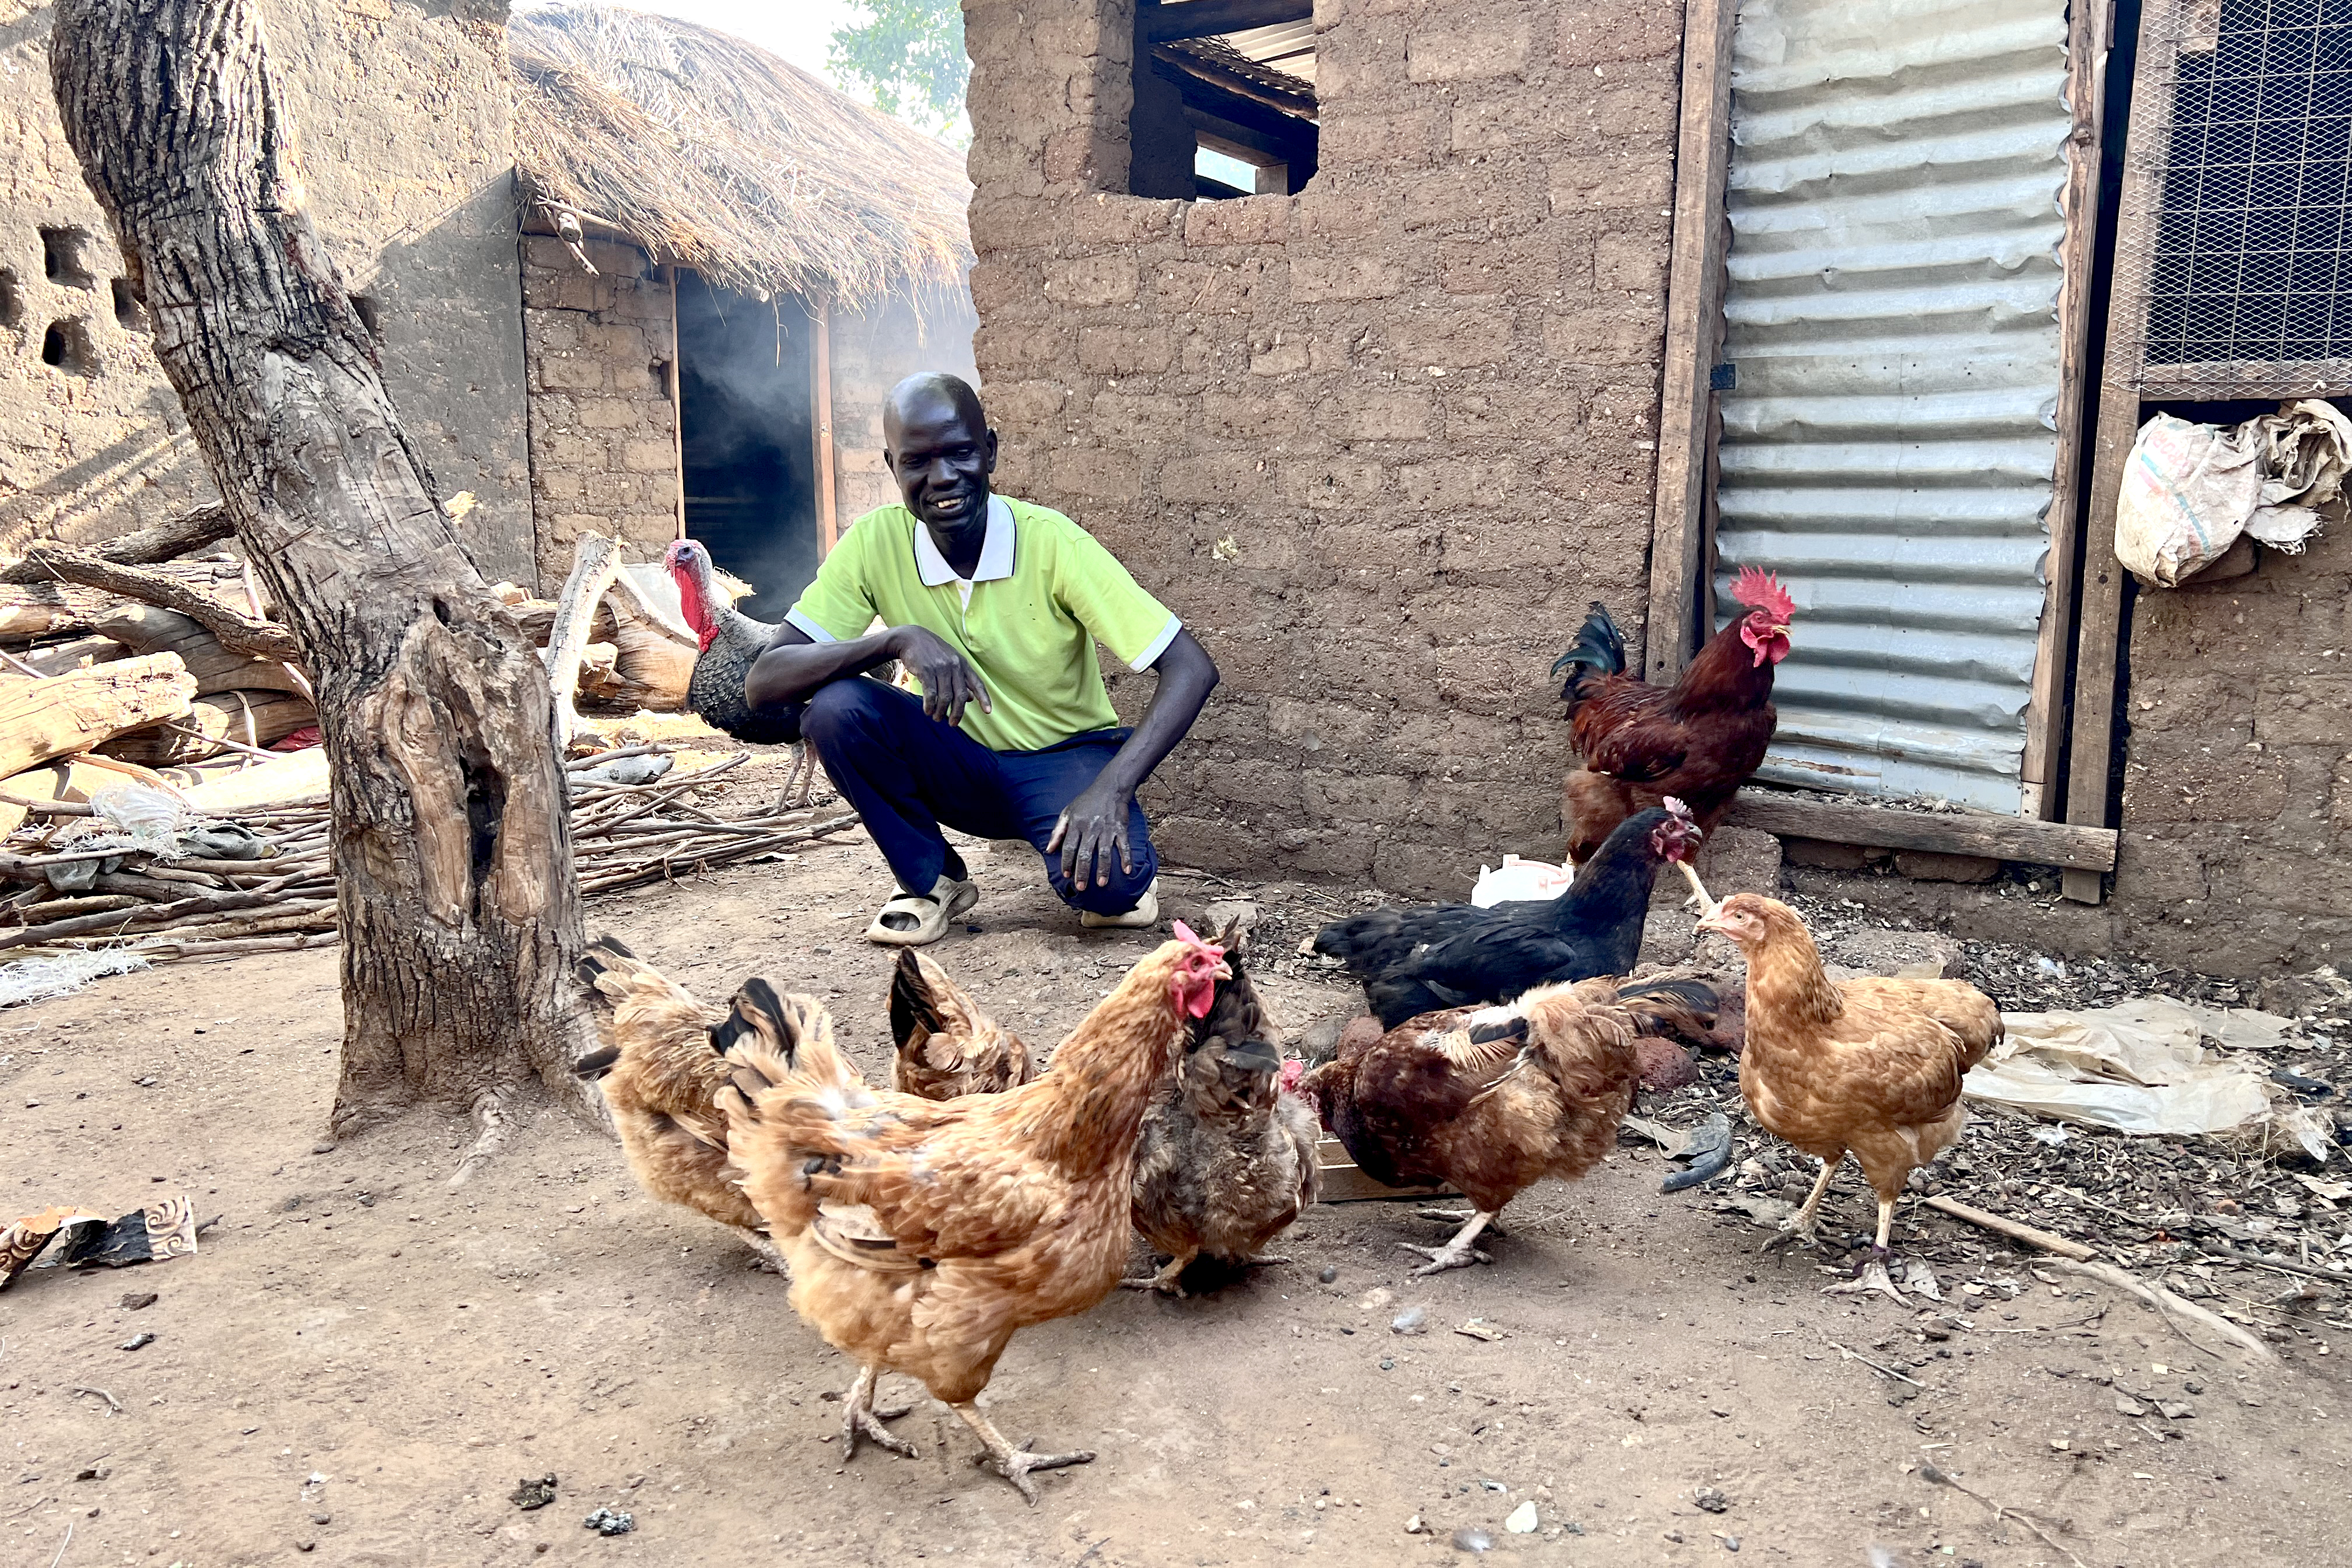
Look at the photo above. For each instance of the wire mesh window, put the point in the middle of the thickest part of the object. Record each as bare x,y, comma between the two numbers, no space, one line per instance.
2242,163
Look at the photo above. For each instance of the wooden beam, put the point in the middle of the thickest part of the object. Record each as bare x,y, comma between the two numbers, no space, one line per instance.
677,406
828,524
2090,849
1694,328
2099,658
2087,45
1210,19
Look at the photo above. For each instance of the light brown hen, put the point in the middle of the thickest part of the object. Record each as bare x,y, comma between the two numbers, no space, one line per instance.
661,1076
947,1046
1871,1066
922,1233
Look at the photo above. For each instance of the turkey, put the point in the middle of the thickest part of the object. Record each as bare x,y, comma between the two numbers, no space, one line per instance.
729,641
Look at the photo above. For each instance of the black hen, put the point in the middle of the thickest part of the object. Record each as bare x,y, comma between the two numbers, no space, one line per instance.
729,641
1425,960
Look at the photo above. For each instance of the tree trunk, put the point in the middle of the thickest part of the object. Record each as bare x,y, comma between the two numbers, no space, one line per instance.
452,849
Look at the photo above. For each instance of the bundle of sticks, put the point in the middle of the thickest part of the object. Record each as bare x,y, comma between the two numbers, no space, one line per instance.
171,907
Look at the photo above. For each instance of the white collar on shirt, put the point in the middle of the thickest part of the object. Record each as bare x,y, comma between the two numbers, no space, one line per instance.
996,549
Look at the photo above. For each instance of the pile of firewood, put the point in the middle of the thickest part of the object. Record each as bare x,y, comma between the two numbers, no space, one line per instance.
153,659
72,883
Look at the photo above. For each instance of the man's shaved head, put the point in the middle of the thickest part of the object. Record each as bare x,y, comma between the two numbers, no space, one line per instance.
938,444
926,392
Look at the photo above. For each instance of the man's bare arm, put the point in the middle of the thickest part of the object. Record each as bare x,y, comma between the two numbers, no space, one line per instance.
796,664
1093,831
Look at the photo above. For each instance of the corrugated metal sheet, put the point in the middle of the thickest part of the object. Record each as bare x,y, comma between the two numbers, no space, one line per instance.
1891,310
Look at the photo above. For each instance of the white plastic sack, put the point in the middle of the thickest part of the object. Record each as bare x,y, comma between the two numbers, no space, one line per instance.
2190,490
2142,1068
1519,882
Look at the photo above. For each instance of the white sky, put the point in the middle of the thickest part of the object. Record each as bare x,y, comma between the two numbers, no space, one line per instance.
799,30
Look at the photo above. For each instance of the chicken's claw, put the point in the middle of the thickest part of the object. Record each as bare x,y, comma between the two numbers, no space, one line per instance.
867,1425
1440,1258
1014,1464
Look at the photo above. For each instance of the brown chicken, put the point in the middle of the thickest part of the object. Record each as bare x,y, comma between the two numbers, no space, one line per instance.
1868,1065
947,1048
661,1076
1227,1160
1698,739
1493,1099
921,1234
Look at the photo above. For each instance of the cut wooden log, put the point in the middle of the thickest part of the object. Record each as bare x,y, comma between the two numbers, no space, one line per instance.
656,658
80,653
595,562
189,531
73,712
251,719
143,629
49,609
237,631
538,618
300,776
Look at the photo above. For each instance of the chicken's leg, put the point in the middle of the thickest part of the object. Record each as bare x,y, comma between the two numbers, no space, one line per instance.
1886,1222
1165,1280
1014,1464
1457,1253
1803,1224
862,1420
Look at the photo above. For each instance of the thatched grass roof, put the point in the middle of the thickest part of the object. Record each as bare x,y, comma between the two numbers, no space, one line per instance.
720,156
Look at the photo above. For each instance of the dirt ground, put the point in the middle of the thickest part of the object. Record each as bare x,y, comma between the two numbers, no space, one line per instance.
361,1362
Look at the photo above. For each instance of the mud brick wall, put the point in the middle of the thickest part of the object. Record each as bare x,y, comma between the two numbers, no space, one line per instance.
401,124
2237,812
1378,443
603,429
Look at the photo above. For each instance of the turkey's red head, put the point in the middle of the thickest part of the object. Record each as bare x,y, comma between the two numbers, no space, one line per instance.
1199,967
1770,610
690,567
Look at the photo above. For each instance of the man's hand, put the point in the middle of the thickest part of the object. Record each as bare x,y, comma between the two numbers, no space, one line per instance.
949,681
1093,828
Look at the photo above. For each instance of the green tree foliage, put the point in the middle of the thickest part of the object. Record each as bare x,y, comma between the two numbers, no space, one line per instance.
910,53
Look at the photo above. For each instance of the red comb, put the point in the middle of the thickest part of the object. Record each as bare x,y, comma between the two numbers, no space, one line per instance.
1760,590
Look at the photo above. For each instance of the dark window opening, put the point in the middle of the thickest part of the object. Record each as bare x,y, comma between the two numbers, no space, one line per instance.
61,259
66,346
12,306
130,310
1224,98
371,315
747,437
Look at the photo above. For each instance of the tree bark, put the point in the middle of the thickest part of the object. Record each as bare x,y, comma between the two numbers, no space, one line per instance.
452,847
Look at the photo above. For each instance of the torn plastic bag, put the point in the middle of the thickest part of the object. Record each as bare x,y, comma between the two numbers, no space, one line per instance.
2142,1068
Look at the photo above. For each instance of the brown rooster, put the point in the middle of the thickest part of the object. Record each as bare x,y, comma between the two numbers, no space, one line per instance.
947,1048
1492,1100
661,1076
1699,739
922,1235
1868,1065
1226,1161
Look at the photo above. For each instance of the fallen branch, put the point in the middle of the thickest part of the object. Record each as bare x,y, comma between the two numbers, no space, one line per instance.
2170,1306
112,1404
1937,1476
238,632
1999,1225
1882,1371
182,535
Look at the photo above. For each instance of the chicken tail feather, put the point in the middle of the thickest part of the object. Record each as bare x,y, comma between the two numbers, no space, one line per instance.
914,999
1599,649
770,1038
596,1063
1680,1008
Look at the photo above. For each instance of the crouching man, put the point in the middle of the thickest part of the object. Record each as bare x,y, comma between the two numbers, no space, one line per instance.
993,605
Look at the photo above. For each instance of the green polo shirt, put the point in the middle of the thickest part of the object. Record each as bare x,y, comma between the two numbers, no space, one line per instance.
1044,593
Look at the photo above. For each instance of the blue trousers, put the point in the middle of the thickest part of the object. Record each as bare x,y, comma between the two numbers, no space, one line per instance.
908,774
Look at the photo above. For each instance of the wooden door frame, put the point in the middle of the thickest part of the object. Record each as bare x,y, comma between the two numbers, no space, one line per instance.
1685,497
828,523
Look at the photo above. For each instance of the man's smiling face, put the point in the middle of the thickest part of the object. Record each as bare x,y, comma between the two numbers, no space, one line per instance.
942,452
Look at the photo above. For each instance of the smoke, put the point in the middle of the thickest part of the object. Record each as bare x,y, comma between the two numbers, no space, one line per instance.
747,438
